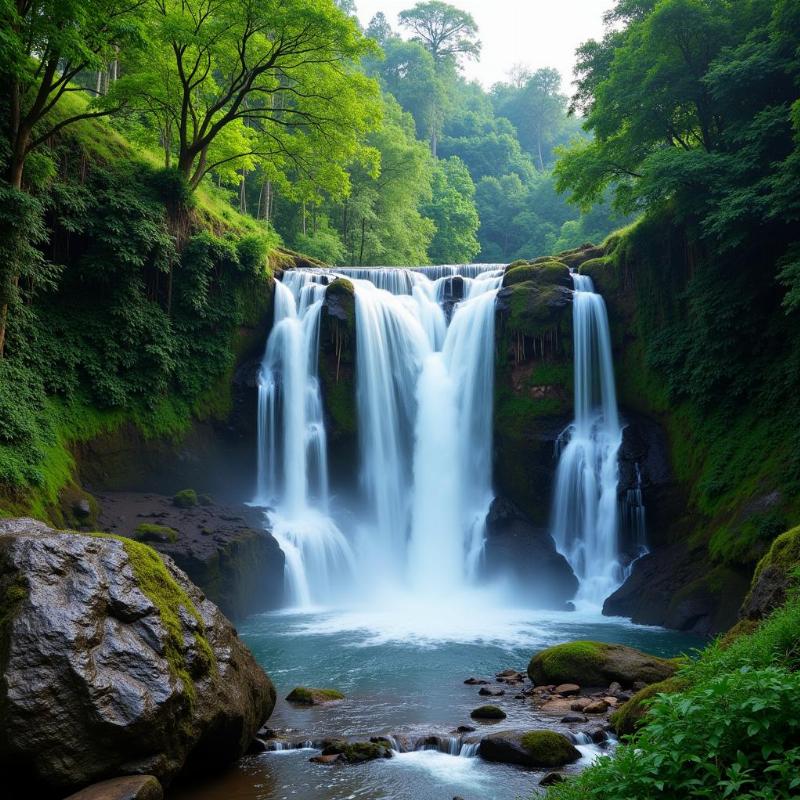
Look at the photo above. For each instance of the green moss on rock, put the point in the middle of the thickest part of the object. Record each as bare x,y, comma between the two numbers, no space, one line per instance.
597,664
151,532
488,712
549,749
312,697
546,273
630,715
774,576
186,498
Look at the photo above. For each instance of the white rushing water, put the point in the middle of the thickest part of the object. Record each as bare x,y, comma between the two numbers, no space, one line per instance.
585,520
424,394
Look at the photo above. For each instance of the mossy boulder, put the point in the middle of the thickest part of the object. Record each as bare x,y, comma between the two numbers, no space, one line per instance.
358,752
304,695
151,532
186,498
488,712
776,573
629,716
530,749
545,273
113,662
597,664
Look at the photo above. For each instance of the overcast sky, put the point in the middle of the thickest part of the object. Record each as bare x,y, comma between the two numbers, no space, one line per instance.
537,33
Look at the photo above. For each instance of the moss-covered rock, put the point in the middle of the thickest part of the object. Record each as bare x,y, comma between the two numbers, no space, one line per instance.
303,695
545,273
488,712
530,748
630,715
151,532
358,752
597,664
774,576
186,498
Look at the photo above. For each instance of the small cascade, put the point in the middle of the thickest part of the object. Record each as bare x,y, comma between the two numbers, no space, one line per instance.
585,518
292,473
449,745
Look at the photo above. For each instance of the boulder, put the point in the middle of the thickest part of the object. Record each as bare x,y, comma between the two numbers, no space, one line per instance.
114,662
773,577
597,664
357,752
305,696
551,778
475,682
488,713
485,691
567,689
530,749
131,787
597,707
628,717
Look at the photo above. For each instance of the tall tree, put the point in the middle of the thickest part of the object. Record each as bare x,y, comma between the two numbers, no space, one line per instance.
242,77
448,34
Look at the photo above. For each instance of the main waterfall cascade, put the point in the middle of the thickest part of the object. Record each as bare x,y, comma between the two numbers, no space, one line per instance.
585,519
424,393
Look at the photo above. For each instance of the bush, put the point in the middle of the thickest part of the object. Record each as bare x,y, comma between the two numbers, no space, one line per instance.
735,735
186,498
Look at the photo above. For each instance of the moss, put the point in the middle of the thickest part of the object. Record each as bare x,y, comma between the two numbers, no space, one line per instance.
784,553
307,696
744,627
168,597
547,273
520,262
548,748
630,715
186,498
357,752
488,712
150,532
573,661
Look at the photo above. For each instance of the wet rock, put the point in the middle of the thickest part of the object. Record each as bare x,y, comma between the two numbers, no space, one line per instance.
597,735
557,706
529,748
551,778
572,718
567,689
579,704
488,713
305,696
115,662
465,729
257,746
597,707
614,688
357,752
475,682
131,787
331,758
514,545
487,692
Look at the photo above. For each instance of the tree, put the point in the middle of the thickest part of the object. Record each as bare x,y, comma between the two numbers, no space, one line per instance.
379,28
452,209
448,34
444,30
241,79
44,46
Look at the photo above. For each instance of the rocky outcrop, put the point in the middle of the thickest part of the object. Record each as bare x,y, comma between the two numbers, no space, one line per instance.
337,376
533,382
674,586
774,576
517,548
223,548
597,664
529,749
114,663
133,787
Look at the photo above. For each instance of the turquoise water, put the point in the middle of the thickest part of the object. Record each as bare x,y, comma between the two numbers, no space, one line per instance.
402,671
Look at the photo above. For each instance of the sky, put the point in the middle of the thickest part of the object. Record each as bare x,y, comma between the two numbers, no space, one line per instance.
536,33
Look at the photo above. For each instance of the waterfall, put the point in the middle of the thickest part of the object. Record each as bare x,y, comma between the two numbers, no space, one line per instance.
292,449
585,510
424,391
